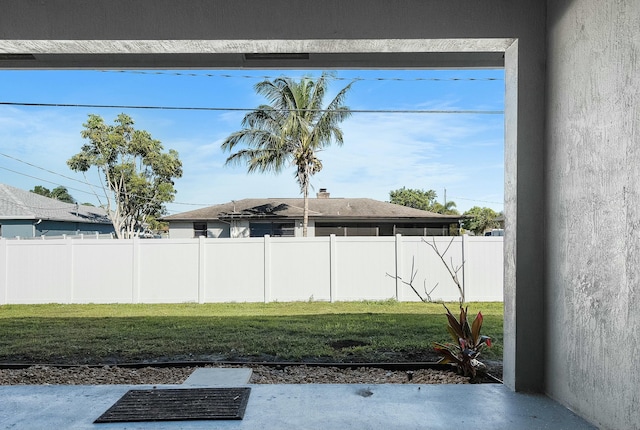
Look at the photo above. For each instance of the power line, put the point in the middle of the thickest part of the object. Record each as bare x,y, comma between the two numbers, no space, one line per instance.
77,180
266,77
480,201
46,170
44,180
228,109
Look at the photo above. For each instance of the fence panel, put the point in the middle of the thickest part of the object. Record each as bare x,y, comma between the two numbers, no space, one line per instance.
102,270
234,270
38,274
483,268
362,265
168,271
430,275
300,269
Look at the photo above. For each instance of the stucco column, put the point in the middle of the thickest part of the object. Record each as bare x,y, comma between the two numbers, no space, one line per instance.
524,313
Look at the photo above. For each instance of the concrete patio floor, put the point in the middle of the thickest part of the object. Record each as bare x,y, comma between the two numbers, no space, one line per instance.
312,406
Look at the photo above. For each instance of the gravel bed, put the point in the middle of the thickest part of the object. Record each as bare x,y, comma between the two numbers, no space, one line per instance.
84,375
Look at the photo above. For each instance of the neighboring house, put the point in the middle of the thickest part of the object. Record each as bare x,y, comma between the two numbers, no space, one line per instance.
283,217
25,214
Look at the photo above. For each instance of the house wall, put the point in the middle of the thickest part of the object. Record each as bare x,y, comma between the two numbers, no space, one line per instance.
218,229
593,209
58,228
240,229
180,230
311,228
17,228
28,228
184,230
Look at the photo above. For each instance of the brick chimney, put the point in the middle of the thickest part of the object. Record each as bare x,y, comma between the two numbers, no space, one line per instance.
323,194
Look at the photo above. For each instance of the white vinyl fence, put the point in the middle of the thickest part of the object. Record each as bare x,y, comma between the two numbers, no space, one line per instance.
246,270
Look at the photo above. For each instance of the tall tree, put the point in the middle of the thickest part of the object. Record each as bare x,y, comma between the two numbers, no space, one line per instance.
290,130
137,177
414,198
448,208
59,193
42,191
481,219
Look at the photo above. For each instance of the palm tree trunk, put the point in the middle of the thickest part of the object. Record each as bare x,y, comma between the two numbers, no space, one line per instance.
305,212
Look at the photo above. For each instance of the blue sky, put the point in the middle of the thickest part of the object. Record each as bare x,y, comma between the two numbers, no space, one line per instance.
382,151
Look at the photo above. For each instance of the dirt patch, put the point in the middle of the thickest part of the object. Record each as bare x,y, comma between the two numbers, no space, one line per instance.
347,343
293,374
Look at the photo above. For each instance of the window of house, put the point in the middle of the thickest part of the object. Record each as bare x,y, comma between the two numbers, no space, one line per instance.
200,229
273,229
351,229
421,229
328,230
362,230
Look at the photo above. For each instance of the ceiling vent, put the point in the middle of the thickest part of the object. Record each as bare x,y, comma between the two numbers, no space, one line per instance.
276,56
16,57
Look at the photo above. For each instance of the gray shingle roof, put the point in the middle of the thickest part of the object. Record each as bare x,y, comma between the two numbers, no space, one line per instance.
20,204
319,208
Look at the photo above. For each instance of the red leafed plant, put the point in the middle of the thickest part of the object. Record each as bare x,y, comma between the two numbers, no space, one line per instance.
467,343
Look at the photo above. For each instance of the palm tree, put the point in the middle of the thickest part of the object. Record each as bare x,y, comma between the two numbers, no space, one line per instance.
291,130
449,208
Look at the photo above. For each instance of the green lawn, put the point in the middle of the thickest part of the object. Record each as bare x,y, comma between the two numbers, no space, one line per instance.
369,332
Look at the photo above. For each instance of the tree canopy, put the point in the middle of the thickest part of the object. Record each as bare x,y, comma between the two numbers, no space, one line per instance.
59,193
137,176
448,208
290,130
482,219
421,199
414,198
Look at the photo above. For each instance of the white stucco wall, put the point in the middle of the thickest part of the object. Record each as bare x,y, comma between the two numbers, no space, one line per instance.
181,230
218,230
593,209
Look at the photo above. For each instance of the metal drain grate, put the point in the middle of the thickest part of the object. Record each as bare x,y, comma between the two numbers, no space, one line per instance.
179,405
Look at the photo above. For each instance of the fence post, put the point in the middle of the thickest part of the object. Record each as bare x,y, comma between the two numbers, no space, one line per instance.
135,282
398,267
464,293
72,287
333,274
4,273
202,270
267,268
